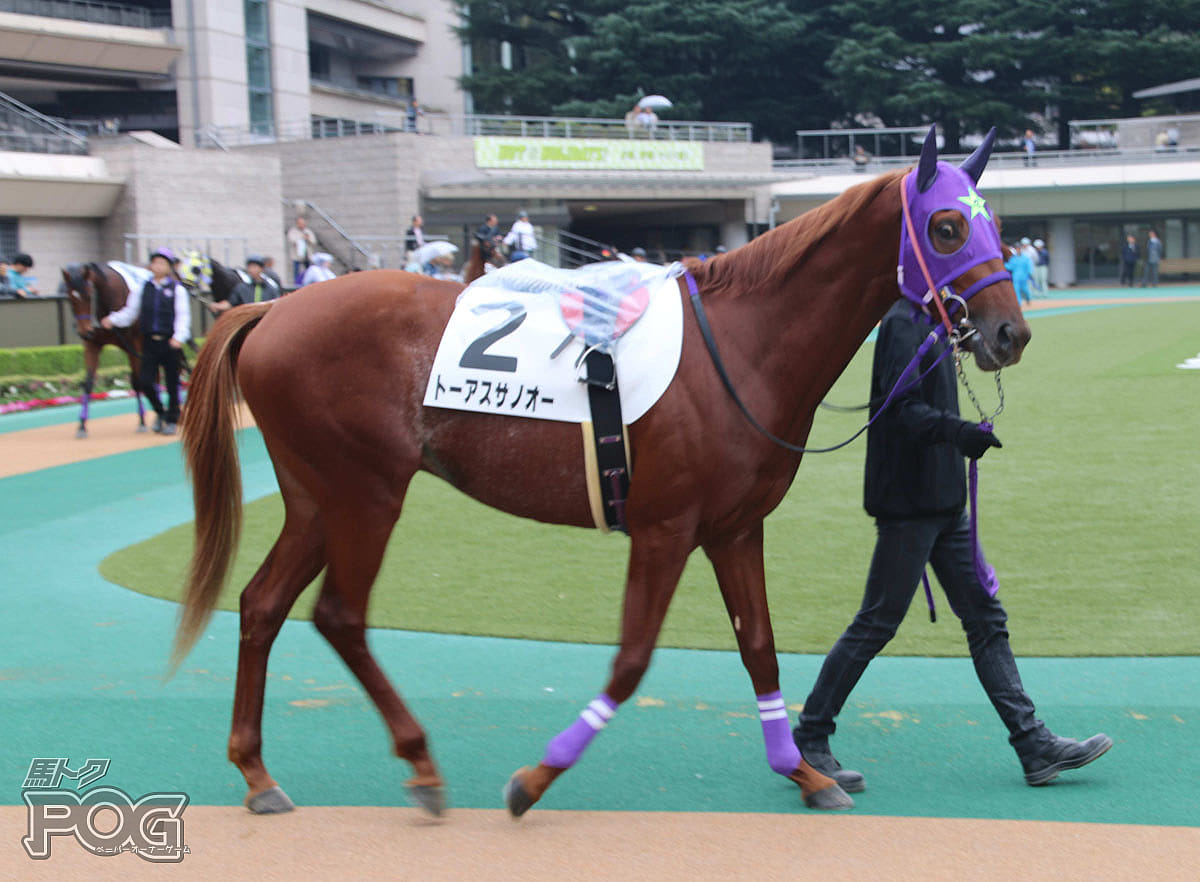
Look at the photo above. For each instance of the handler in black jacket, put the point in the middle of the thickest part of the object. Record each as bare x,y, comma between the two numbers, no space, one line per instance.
915,488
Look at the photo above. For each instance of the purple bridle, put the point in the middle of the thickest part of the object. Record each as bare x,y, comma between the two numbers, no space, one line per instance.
922,270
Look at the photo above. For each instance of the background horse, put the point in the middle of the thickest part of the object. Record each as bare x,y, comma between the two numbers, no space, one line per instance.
95,290
482,251
336,377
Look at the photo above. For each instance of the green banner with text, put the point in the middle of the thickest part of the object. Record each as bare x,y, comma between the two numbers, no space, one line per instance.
579,153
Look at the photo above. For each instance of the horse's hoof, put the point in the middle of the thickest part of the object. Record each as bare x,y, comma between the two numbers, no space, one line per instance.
430,798
142,428
270,802
81,433
830,799
516,797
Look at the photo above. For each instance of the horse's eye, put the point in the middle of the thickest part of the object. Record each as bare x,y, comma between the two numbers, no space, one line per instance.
947,231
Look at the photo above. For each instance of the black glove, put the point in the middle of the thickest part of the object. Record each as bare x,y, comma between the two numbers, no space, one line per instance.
973,441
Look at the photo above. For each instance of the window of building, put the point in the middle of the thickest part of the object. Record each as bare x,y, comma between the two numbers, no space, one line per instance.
10,244
320,65
393,87
258,67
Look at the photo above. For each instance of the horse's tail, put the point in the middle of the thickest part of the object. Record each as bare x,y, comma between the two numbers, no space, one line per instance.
210,450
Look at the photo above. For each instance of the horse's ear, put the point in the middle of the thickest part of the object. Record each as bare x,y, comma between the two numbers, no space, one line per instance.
927,166
973,165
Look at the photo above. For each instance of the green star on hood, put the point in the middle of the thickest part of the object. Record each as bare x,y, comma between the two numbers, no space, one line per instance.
975,202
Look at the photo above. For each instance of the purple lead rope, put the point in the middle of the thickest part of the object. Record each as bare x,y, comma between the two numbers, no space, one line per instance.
984,571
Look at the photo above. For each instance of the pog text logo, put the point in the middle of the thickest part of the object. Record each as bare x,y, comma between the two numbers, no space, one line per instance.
104,820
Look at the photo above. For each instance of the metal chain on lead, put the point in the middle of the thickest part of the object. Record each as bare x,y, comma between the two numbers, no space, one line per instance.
962,378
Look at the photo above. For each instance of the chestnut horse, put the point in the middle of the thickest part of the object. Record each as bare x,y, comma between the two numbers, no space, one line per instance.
482,251
336,377
94,290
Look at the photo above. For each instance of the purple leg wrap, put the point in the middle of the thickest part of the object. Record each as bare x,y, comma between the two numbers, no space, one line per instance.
782,754
568,745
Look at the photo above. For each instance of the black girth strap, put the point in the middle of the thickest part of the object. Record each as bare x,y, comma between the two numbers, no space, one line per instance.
608,434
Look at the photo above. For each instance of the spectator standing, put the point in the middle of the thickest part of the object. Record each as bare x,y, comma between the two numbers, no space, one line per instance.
1030,148
6,290
1021,268
521,239
259,288
164,315
1041,267
412,113
414,236
302,242
319,271
1154,253
489,231
18,276
646,119
915,488
861,157
1129,259
269,272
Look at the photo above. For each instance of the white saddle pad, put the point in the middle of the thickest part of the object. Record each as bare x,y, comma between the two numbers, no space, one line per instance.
497,354
135,277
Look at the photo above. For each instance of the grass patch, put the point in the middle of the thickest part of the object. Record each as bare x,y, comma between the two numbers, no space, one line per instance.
1090,515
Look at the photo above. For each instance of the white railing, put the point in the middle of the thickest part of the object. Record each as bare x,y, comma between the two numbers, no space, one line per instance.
1041,159
472,125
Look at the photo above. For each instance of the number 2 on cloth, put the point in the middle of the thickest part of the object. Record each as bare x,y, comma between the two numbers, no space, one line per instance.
476,355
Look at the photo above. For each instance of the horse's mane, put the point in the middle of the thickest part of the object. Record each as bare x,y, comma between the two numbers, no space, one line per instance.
770,258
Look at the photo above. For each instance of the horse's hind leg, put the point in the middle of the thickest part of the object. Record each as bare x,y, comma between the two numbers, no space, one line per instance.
356,544
655,565
293,563
738,562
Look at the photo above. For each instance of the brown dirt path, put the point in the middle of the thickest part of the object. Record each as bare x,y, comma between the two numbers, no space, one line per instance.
50,446
475,844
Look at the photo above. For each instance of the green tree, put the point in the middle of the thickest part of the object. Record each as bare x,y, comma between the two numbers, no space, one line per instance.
1029,63
909,62
1092,55
537,33
735,60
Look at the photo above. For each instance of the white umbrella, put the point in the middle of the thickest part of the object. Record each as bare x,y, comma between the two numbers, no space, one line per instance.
426,253
655,101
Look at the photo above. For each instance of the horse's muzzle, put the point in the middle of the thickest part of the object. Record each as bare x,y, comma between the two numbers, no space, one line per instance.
997,344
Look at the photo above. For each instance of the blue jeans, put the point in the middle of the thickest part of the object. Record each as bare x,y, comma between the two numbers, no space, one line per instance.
901,551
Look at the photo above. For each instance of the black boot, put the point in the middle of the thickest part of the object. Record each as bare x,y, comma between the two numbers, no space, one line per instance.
1060,755
821,758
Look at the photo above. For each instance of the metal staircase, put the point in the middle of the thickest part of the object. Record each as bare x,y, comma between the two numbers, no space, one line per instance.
24,130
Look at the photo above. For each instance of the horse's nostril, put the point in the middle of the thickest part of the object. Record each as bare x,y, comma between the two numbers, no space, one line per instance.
1004,340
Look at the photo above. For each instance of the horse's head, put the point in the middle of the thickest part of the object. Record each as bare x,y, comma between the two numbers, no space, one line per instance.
949,240
489,248
81,294
195,271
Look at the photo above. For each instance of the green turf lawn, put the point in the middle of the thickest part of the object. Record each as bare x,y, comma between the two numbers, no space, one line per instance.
1090,515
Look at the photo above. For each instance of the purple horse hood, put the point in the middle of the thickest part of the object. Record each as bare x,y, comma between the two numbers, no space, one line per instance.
939,186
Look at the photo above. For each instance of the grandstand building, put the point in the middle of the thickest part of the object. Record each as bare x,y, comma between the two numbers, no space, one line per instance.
211,123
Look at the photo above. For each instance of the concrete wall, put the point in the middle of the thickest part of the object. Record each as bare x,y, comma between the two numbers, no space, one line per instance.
53,242
211,77
194,197
436,68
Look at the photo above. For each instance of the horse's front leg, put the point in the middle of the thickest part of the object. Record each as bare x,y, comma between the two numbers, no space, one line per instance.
655,565
738,562
91,358
135,383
